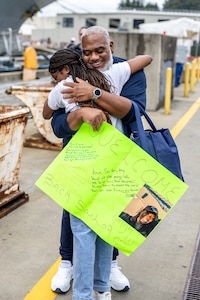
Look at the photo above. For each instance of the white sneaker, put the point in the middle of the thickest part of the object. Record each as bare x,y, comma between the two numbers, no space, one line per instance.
102,296
118,281
61,281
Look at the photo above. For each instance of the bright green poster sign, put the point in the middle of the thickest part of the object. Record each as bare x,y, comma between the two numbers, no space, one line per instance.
111,184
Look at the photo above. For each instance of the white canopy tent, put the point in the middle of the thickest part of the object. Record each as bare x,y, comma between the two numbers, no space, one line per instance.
26,29
180,28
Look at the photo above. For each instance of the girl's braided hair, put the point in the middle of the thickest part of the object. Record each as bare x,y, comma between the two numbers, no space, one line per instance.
79,69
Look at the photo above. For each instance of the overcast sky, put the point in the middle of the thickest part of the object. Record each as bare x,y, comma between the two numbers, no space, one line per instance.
87,6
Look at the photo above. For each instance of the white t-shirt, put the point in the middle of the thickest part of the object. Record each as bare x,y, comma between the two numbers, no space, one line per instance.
118,74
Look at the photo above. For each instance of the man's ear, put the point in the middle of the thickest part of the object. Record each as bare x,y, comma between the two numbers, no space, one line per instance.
112,46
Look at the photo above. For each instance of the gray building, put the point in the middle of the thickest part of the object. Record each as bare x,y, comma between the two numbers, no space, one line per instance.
64,26
123,27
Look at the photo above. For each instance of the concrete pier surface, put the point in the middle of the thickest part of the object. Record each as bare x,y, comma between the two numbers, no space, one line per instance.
158,270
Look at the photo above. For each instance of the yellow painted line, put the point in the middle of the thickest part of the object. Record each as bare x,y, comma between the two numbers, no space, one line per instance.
42,289
185,118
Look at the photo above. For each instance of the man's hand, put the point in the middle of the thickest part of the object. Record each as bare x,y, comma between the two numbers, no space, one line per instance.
81,91
93,116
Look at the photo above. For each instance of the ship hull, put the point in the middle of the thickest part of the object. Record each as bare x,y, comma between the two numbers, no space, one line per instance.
13,14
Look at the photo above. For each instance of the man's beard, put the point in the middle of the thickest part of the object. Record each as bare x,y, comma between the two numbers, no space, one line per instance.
108,63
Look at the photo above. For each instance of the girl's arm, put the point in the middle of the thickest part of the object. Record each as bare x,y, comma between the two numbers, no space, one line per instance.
139,62
47,111
52,103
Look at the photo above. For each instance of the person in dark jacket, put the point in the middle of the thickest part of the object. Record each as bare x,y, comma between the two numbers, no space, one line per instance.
77,47
72,43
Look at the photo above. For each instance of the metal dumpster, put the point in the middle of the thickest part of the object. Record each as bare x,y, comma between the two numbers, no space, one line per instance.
34,97
13,120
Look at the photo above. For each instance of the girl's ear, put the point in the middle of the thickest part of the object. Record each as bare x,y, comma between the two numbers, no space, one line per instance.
66,68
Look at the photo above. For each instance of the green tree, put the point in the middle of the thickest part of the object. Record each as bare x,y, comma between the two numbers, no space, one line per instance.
182,4
138,4
153,6
124,4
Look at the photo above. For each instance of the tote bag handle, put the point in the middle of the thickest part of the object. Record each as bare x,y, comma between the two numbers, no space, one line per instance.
140,128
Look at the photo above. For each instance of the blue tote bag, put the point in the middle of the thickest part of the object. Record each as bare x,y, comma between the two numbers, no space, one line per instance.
158,143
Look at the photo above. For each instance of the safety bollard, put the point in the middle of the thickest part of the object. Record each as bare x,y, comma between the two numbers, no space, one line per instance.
168,86
195,73
193,76
198,68
186,79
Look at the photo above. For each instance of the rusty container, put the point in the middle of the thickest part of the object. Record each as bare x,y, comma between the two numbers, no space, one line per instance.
34,97
13,120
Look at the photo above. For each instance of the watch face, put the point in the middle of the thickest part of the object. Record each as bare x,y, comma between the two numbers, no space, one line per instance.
97,92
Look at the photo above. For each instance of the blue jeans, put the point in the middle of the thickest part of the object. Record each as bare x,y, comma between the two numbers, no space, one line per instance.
91,262
66,239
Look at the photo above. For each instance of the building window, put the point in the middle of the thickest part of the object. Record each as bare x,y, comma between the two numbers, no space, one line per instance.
114,23
163,20
137,22
68,22
91,22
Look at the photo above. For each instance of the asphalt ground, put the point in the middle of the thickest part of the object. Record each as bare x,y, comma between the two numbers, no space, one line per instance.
157,270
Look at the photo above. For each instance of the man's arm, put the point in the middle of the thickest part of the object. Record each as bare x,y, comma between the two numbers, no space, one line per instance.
81,90
139,62
135,90
60,125
117,106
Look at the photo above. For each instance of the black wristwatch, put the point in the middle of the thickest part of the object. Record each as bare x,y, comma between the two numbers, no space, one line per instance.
96,94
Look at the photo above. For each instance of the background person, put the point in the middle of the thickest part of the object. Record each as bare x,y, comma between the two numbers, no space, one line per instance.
72,43
30,63
77,47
